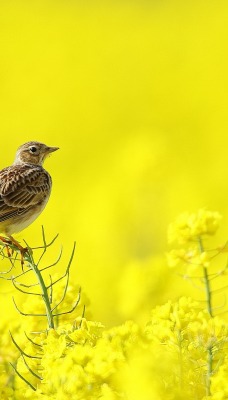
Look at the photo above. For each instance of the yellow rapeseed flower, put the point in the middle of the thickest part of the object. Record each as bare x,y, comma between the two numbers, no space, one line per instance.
188,227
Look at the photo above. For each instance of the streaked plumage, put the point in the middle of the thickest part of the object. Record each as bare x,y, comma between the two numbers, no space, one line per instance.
25,188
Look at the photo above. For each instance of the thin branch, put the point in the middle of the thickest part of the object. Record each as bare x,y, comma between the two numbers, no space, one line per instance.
43,237
221,306
22,273
25,314
25,380
29,254
219,273
8,271
190,279
20,350
56,262
83,314
57,280
30,369
12,260
47,245
23,291
51,290
64,293
23,284
220,289
68,267
73,308
30,340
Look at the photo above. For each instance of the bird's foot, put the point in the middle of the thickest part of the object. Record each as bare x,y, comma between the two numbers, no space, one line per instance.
6,242
22,249
15,243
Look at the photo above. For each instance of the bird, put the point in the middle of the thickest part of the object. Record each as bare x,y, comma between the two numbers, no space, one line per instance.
25,187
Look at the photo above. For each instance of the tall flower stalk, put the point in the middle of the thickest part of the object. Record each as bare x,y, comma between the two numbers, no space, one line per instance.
190,232
42,287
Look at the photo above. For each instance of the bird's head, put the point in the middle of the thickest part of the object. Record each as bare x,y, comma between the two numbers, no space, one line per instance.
33,153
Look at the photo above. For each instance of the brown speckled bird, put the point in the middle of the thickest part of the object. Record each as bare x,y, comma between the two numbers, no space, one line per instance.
25,188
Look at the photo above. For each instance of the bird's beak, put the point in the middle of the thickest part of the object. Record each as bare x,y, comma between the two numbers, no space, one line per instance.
51,149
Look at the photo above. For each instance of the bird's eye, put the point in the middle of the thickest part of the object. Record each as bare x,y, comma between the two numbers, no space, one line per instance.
33,149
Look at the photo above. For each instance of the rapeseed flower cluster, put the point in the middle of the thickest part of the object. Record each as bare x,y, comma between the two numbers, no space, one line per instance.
189,226
178,354
189,232
167,359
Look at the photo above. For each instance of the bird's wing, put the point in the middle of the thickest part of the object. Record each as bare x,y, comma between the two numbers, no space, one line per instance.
22,187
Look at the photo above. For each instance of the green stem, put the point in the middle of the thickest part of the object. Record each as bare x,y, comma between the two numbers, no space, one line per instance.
209,371
44,291
208,291
209,309
206,282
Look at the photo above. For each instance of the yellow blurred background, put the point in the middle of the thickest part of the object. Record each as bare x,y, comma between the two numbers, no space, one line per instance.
135,94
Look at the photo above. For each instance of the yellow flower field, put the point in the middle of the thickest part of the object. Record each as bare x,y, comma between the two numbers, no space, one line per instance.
135,95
